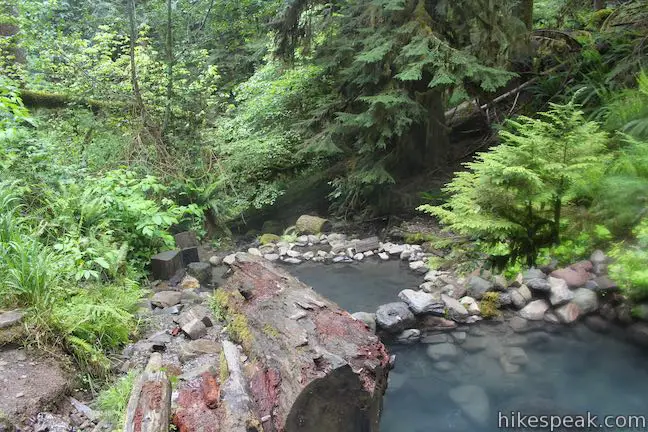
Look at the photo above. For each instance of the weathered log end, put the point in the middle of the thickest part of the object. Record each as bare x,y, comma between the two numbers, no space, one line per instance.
311,367
307,224
150,401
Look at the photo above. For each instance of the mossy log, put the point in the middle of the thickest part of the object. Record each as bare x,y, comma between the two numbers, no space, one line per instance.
311,367
42,99
150,401
307,224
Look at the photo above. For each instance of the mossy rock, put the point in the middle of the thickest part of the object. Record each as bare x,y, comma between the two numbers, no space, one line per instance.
489,305
269,238
12,335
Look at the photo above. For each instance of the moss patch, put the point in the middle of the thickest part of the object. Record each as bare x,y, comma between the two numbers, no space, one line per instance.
489,305
419,237
269,238
223,372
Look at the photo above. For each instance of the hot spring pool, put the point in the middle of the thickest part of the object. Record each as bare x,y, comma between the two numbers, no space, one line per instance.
570,372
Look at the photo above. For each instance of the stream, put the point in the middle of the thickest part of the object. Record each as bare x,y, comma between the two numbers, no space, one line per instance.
573,371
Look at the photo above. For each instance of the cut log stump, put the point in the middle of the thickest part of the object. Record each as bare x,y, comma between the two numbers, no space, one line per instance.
311,367
307,224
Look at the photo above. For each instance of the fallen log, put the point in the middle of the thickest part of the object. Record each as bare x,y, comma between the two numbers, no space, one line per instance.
150,401
311,367
307,224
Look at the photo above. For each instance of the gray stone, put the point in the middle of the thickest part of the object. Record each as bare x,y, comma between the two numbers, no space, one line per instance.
383,256
215,260
436,338
568,313
455,309
291,260
474,344
11,318
471,305
195,348
367,318
551,317
293,254
308,255
603,284
586,300
201,271
194,329
477,287
599,262
442,352
166,264
409,337
165,299
271,257
518,299
535,310
421,302
516,356
394,249
459,337
48,422
418,266
358,257
198,312
255,252
519,324
540,285
500,283
473,401
229,259
366,245
560,292
394,317
597,324
533,273
505,299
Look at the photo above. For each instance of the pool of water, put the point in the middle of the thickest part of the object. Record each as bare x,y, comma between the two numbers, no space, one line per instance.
570,372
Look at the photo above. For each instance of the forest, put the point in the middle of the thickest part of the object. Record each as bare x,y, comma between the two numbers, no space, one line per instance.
519,127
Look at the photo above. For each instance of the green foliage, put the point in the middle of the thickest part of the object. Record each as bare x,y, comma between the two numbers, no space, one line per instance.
630,267
517,191
113,400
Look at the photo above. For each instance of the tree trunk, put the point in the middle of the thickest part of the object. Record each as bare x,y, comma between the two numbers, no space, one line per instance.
525,13
133,64
150,401
170,61
307,224
311,367
599,4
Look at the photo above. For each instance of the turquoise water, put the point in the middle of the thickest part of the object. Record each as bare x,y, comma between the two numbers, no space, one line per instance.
573,371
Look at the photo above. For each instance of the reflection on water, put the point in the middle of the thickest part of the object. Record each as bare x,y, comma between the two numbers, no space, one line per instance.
574,371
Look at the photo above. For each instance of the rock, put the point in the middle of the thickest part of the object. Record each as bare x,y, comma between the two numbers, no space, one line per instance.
198,312
459,337
535,310
229,259
189,282
271,257
11,318
368,254
516,356
586,300
394,317
406,254
47,422
165,299
444,366
471,305
421,302
500,283
201,271
575,278
442,352
308,255
474,344
509,367
597,324
473,401
599,262
358,257
533,273
367,318
604,284
198,347
291,260
194,329
293,253
477,287
539,285
409,337
568,313
454,307
504,299
394,249
454,291
639,333
436,338
623,313
307,224
551,317
166,264
518,299
560,293
418,266
215,260
383,256
365,245
433,323
342,259
255,252
269,238
519,324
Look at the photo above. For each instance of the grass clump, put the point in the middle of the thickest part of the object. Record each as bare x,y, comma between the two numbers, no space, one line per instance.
113,400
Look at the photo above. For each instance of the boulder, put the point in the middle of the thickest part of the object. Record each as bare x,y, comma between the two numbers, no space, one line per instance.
560,292
394,317
215,260
586,300
533,273
535,310
271,257
421,302
229,259
201,271
568,313
442,352
474,403
433,323
365,245
455,309
195,348
368,318
11,318
165,299
599,262
477,287
409,337
538,284
575,277
418,266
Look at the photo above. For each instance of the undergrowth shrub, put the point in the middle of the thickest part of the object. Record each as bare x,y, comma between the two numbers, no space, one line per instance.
630,267
113,400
